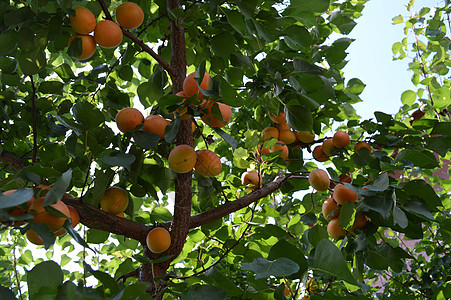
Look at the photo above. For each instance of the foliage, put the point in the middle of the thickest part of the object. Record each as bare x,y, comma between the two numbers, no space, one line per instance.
57,129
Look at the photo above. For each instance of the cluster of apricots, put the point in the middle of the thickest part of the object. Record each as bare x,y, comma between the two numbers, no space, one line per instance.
106,33
35,207
319,180
184,158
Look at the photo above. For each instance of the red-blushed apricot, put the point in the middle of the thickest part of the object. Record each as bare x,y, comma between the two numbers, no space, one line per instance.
328,146
115,200
53,222
182,159
319,154
128,118
341,139
328,207
305,137
84,21
211,120
279,119
319,180
190,86
88,45
359,222
286,291
360,145
107,34
342,194
208,163
281,146
287,136
158,240
74,216
334,230
345,178
251,177
33,237
155,124
182,112
17,210
129,15
269,132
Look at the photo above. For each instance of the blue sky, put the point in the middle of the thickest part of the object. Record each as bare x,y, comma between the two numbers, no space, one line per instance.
371,58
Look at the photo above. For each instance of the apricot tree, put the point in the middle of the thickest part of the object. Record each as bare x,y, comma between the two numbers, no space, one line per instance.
243,221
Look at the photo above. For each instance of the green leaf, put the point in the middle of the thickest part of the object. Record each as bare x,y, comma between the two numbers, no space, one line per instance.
87,114
59,188
420,188
227,137
317,6
220,280
420,209
347,212
134,291
408,97
6,294
95,236
316,234
65,72
8,41
284,249
47,274
235,19
305,67
17,198
172,129
423,159
380,184
203,292
74,234
102,180
297,37
382,205
107,281
32,62
147,140
223,44
443,128
399,217
329,259
51,87
398,19
355,86
121,159
264,268
299,118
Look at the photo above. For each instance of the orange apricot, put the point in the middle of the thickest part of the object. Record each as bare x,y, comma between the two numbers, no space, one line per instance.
345,178
115,200
88,45
107,34
269,132
251,177
208,163
286,291
328,207
342,193
33,237
279,119
53,222
158,240
128,118
280,146
328,146
319,154
341,139
182,159
190,86
17,210
319,180
84,21
74,216
211,120
334,230
155,124
359,222
305,137
360,145
287,136
129,15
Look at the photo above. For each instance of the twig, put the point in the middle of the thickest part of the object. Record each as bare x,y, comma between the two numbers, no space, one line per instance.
16,274
33,108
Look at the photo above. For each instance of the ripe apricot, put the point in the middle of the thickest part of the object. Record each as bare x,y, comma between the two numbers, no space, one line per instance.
341,139
74,216
33,237
88,45
283,126
280,146
269,132
345,178
155,124
115,200
319,154
17,210
360,145
182,159
286,291
335,231
328,146
330,206
287,136
211,120
305,137
129,15
128,118
208,163
359,222
53,222
107,34
158,240
319,180
279,119
84,21
342,194
190,86
251,177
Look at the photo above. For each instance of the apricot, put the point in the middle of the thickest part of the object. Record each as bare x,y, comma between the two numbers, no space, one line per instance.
345,178
208,163
280,146
107,34
287,136
121,215
155,124
88,45
74,216
335,231
283,126
269,132
182,159
182,112
251,177
279,119
305,137
342,193
190,86
359,222
286,291
211,120
360,145
129,15
128,118
341,139
319,154
328,146
158,240
319,180
84,21
17,210
115,200
53,222
330,206
33,237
